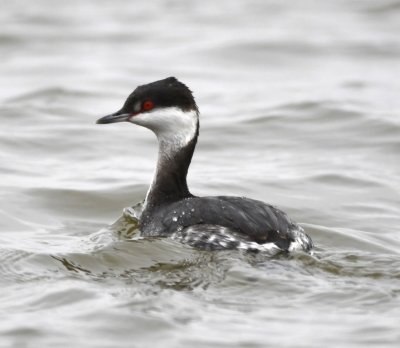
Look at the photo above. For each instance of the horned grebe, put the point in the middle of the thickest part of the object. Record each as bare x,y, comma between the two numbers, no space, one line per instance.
167,107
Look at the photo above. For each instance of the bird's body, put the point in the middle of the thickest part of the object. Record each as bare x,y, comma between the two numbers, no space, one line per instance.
199,219
167,107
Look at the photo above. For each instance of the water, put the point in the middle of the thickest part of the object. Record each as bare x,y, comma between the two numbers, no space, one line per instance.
300,108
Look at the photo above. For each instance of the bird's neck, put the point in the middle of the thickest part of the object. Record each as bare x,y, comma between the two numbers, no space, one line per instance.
175,153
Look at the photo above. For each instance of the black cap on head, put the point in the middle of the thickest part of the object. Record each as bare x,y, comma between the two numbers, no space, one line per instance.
159,94
163,93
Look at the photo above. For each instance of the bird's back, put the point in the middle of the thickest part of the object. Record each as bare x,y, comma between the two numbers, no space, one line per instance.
250,220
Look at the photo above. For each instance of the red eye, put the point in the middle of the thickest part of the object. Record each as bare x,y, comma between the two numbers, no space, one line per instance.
148,105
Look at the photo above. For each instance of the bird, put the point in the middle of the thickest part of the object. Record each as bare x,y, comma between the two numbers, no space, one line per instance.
167,108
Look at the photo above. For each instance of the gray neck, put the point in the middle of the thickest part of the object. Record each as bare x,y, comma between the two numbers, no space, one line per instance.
169,181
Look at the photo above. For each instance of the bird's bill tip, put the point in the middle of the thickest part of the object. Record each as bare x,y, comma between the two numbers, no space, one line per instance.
116,117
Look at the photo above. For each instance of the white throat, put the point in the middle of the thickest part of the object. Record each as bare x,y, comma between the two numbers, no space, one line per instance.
173,127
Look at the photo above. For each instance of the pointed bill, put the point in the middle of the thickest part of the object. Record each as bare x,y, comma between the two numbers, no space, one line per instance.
119,116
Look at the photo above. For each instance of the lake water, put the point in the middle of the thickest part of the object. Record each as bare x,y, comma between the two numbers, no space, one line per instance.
299,106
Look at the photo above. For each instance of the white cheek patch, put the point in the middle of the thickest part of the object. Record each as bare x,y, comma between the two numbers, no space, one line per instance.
171,125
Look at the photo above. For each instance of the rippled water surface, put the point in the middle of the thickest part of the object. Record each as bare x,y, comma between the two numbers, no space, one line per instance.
300,108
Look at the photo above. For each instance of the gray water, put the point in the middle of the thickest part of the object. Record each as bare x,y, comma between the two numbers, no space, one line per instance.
300,108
